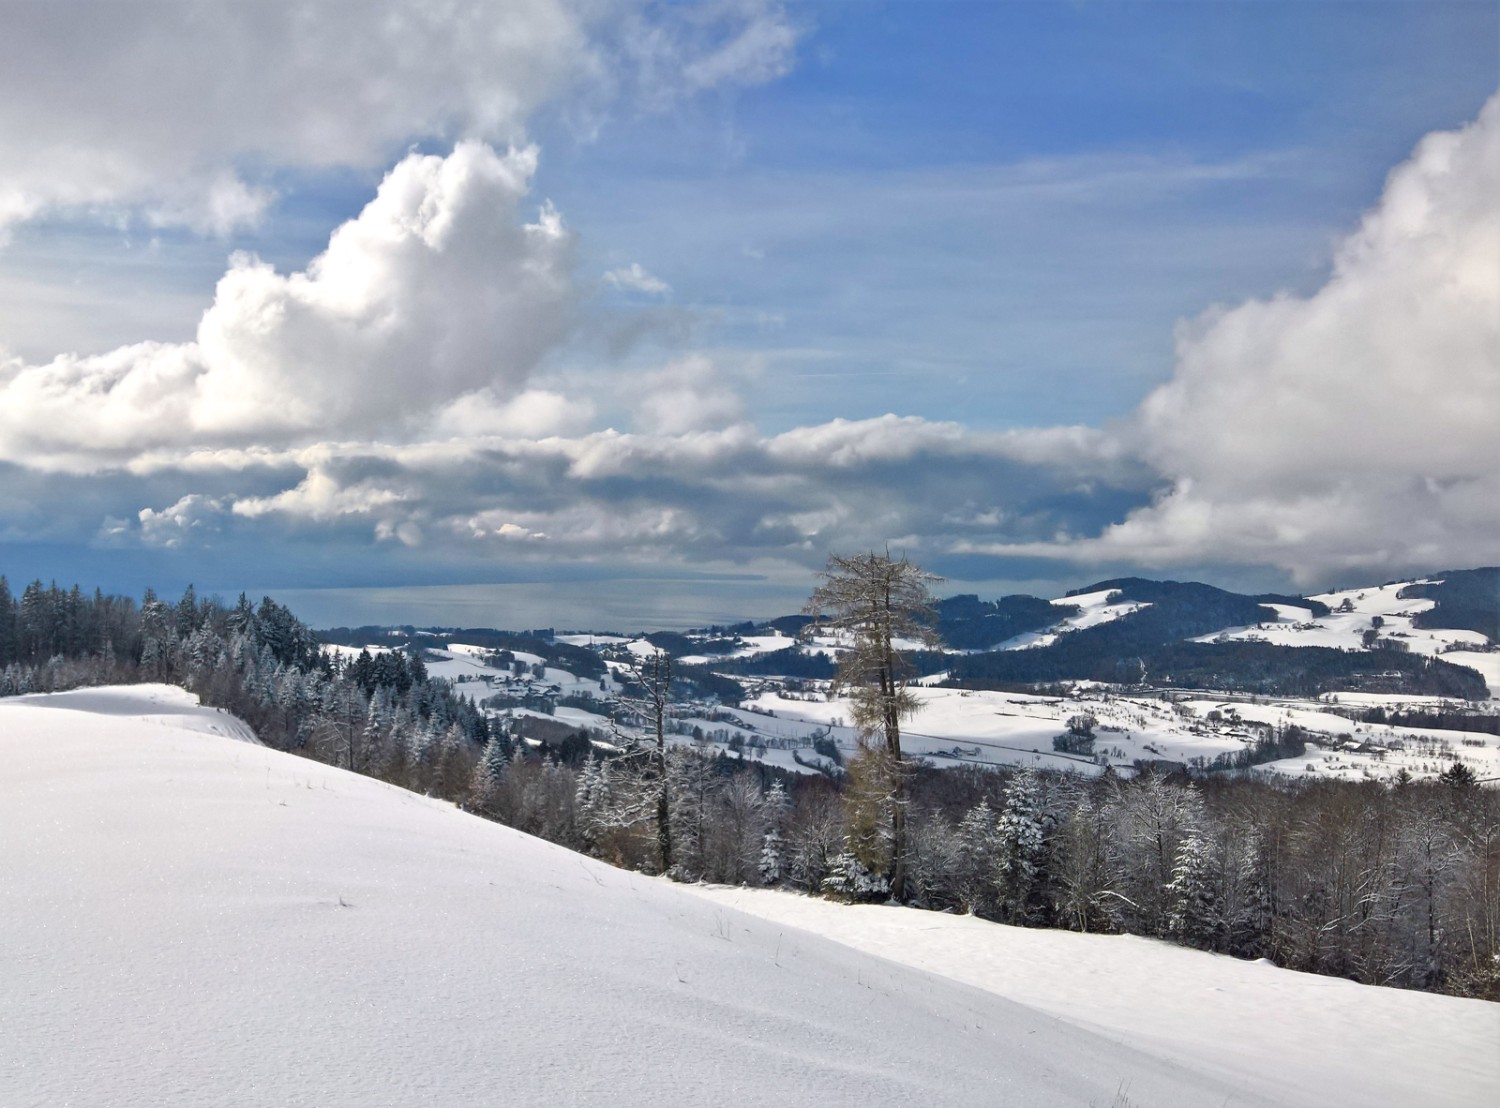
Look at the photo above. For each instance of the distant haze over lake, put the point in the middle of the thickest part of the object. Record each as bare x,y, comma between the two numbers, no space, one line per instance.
632,605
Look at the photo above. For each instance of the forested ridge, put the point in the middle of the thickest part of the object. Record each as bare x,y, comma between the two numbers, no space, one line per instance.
1388,885
258,662
1468,599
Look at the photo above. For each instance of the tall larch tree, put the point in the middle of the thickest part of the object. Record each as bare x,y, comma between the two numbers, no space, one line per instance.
871,603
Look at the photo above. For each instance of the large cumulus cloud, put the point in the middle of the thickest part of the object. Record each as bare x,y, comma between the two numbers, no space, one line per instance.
1352,429
439,288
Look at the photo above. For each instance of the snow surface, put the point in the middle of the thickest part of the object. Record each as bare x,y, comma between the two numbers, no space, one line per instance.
340,651
193,920
1345,630
1094,609
1293,1038
751,645
591,639
967,726
464,665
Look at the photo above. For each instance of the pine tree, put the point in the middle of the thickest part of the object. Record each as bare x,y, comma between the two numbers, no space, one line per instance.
1250,922
10,645
592,801
848,879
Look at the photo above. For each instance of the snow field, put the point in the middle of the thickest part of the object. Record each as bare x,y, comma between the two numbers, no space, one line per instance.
1293,1038
1345,630
1096,609
475,680
958,726
193,920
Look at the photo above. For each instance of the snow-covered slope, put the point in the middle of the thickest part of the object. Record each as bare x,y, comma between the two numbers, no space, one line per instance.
1294,1037
1353,613
973,727
193,920
1094,608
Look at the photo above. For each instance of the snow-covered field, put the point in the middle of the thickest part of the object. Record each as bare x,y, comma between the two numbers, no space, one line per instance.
352,652
190,919
958,726
1345,629
464,665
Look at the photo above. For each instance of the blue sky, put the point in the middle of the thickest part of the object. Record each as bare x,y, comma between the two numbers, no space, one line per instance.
1036,292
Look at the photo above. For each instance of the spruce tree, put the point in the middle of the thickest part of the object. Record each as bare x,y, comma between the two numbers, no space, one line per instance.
1020,854
978,854
1195,906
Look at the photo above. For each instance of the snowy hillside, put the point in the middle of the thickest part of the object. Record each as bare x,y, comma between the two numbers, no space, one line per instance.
1095,608
194,919
1331,1040
1354,613
986,728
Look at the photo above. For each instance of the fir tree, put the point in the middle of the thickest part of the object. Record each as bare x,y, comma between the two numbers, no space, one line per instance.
1195,907
1250,923
848,879
1020,849
771,858
978,845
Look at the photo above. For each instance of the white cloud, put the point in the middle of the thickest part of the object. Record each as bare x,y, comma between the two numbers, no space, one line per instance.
686,395
321,497
107,106
1353,428
730,494
190,519
535,413
633,278
671,52
215,206
104,104
438,289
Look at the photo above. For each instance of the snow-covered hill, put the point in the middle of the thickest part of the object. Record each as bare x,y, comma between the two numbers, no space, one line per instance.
1353,613
192,919
1094,608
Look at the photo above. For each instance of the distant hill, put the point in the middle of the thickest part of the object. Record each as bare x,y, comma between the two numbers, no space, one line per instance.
968,623
1426,636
